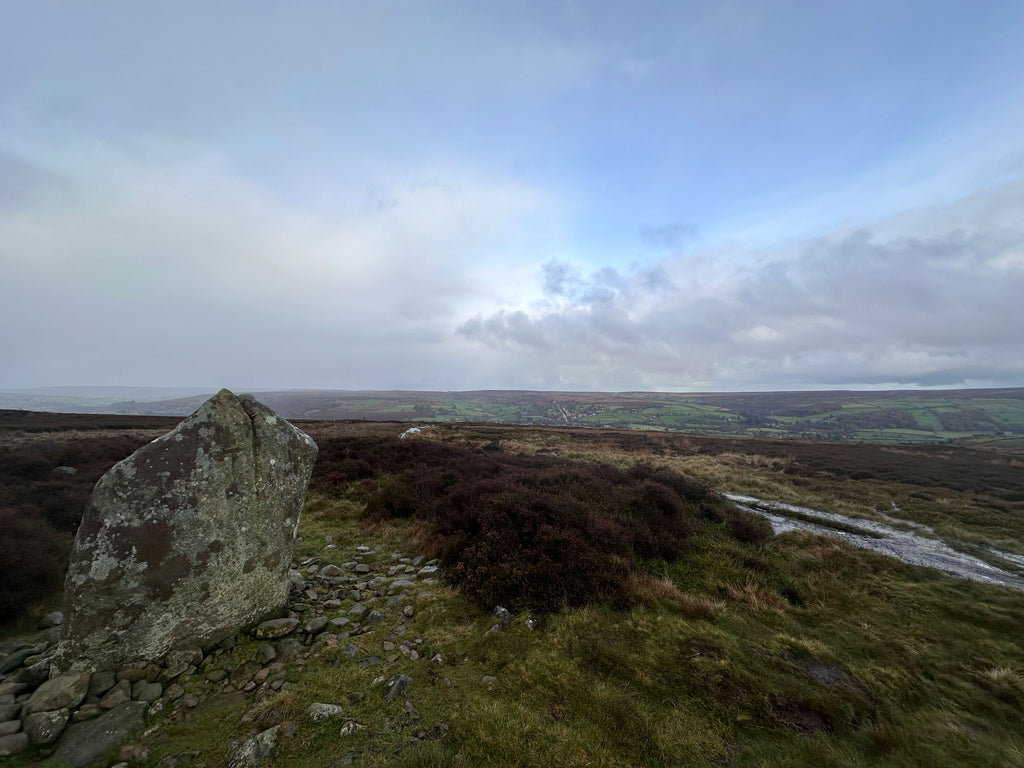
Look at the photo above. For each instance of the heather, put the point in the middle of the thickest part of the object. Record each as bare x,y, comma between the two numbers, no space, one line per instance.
531,531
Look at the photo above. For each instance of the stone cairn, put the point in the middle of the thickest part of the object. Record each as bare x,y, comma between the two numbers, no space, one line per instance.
356,610
184,543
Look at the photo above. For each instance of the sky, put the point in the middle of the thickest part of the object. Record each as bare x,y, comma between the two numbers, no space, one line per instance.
559,195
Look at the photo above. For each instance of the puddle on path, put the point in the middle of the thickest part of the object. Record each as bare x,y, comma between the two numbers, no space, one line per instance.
906,546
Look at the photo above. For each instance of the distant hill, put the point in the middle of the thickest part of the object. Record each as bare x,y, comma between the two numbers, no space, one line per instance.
924,416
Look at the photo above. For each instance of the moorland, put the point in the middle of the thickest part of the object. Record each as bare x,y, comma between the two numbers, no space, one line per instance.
653,623
903,416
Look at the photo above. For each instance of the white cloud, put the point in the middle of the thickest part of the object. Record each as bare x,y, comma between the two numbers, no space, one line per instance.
852,308
171,268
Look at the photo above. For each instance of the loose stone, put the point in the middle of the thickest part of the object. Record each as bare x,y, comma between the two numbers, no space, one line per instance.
320,711
59,692
395,687
13,744
275,628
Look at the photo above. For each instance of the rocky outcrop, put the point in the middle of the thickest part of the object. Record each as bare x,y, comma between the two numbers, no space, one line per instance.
188,539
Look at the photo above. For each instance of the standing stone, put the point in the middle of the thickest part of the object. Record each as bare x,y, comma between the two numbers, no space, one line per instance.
188,539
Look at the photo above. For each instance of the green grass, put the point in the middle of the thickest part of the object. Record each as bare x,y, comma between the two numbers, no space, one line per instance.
803,653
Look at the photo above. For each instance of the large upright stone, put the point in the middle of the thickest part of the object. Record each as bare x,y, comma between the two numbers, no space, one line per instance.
189,538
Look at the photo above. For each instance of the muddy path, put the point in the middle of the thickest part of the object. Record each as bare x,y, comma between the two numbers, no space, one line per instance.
905,545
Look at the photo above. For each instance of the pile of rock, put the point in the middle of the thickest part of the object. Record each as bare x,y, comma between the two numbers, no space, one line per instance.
358,610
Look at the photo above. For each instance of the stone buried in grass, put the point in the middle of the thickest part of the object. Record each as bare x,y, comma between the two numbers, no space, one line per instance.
189,538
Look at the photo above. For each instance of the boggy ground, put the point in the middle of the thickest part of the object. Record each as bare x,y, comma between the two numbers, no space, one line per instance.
795,651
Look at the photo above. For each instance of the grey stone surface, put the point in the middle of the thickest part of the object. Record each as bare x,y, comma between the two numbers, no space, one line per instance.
58,692
9,727
317,625
117,695
44,728
395,687
189,538
276,628
84,742
34,675
289,648
255,751
319,711
14,660
101,682
13,744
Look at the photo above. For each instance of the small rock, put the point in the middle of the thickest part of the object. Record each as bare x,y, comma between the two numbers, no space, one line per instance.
216,675
147,692
34,675
428,570
12,688
375,618
255,751
133,753
132,674
317,625
290,647
532,623
410,710
190,700
408,611
357,610
350,727
101,682
320,711
44,728
63,471
178,661
395,687
398,585
175,692
14,659
117,695
58,693
84,742
502,614
86,712
11,726
275,628
489,681
265,653
10,711
362,568
13,744
54,619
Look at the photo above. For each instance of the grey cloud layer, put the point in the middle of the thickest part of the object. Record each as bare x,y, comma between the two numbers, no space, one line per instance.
854,308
